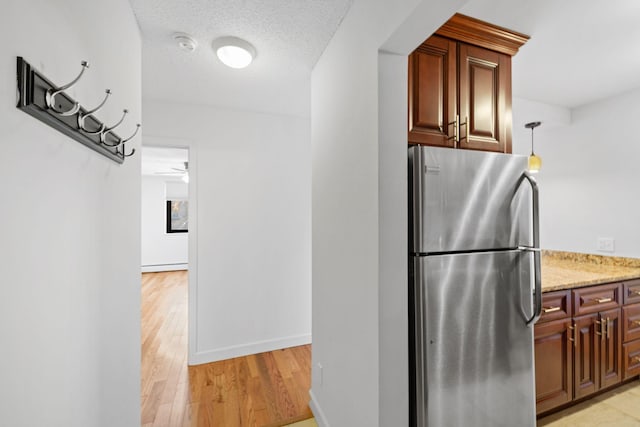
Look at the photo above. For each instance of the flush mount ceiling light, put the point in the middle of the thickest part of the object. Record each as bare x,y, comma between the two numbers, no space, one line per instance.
185,42
535,162
234,52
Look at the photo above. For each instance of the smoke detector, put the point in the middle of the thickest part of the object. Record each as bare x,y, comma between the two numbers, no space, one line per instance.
185,42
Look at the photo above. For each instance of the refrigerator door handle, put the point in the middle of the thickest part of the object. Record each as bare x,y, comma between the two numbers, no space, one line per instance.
537,293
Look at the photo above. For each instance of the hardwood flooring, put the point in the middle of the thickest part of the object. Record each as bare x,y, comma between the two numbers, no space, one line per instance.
266,389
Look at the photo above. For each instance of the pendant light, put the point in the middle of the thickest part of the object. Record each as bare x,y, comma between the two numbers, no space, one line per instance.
535,162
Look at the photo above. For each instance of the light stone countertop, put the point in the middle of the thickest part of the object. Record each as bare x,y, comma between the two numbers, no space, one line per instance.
568,270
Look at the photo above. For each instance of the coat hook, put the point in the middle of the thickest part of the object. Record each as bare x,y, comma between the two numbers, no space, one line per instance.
133,150
103,134
50,97
132,136
83,117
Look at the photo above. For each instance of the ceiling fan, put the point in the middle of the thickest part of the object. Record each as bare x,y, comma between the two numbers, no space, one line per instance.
182,172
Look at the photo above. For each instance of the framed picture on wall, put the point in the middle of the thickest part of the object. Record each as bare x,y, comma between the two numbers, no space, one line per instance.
177,216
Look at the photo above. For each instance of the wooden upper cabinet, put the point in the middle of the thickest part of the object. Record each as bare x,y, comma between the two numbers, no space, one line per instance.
432,98
460,86
485,99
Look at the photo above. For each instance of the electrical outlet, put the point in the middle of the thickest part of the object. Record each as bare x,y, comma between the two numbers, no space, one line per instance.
317,374
606,244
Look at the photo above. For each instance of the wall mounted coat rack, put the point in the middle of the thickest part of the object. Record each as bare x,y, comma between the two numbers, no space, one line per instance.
48,103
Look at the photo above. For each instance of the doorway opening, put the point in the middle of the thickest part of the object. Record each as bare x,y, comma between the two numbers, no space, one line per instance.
165,283
165,200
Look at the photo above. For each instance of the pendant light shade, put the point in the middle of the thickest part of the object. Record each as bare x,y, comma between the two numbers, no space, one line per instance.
535,162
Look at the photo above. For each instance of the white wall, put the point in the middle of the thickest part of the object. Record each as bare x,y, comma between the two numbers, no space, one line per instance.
250,230
359,212
70,251
588,177
161,251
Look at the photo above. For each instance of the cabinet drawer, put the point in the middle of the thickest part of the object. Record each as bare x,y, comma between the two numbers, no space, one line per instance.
631,359
596,298
631,326
555,305
632,291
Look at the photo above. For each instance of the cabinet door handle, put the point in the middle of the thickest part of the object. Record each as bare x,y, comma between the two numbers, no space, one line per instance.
636,359
573,333
603,300
635,322
602,324
455,137
466,125
550,309
634,292
608,328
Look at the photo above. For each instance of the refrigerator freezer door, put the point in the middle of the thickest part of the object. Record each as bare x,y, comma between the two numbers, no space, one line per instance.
465,200
473,349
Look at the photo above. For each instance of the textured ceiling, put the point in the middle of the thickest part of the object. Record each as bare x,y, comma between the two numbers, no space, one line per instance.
580,51
289,36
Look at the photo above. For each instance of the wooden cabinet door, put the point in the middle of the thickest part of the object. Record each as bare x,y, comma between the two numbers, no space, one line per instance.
554,364
611,369
631,359
484,85
432,93
587,355
631,322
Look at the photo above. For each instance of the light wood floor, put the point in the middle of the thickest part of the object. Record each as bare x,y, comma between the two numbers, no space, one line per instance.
267,389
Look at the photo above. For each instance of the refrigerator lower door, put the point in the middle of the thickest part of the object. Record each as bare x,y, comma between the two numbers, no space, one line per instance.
473,349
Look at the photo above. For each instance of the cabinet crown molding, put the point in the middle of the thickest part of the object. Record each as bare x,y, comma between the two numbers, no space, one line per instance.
474,31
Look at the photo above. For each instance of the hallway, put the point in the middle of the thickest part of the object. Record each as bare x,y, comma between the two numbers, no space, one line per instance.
266,389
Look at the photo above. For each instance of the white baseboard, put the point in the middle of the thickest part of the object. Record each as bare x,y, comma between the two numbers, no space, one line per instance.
321,420
245,349
163,267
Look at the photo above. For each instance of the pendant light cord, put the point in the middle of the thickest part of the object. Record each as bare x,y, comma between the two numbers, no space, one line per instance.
532,153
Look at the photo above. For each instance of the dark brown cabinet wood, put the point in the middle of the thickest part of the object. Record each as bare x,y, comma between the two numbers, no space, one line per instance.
586,355
485,99
631,322
632,291
554,364
585,342
610,348
460,86
433,93
631,359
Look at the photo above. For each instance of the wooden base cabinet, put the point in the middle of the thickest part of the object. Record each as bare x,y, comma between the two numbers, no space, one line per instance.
631,358
554,364
581,344
611,348
587,356
598,359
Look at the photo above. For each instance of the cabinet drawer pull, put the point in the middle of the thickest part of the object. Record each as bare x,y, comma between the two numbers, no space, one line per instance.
603,300
550,309
635,322
634,292
636,359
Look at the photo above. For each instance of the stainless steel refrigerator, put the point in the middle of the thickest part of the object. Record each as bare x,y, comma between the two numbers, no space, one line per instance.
474,288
